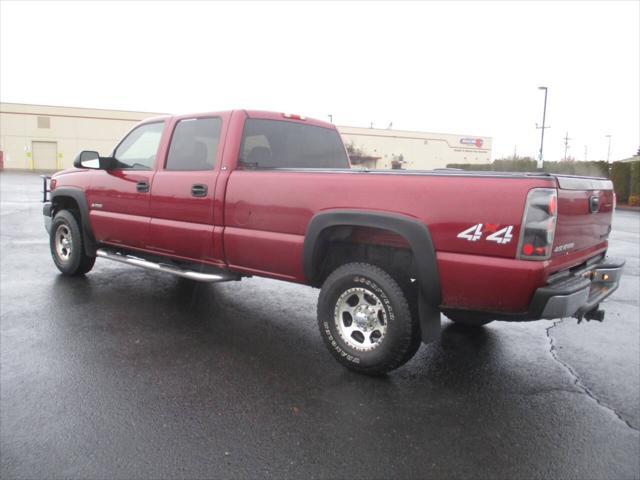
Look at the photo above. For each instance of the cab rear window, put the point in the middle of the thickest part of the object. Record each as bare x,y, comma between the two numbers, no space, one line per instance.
281,144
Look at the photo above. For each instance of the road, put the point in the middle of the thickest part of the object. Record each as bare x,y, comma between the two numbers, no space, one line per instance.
133,374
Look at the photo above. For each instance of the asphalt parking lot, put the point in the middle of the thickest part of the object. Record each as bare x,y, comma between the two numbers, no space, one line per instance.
131,374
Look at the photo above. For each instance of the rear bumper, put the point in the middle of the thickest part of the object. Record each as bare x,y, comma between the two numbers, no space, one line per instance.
569,293
579,293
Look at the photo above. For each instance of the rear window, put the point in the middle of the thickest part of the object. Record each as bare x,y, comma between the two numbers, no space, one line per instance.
281,144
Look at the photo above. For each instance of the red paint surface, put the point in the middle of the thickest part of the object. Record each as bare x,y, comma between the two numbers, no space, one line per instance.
255,221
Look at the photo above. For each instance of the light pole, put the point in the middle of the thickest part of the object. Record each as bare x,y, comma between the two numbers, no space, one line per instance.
544,116
608,148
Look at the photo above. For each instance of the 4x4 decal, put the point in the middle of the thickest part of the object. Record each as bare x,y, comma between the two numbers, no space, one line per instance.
474,233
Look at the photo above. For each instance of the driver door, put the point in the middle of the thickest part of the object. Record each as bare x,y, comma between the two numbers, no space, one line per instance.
118,199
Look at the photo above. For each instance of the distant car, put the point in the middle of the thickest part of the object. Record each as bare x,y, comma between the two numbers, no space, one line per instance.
219,196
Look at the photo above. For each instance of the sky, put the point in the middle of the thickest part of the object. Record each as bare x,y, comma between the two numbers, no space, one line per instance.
453,67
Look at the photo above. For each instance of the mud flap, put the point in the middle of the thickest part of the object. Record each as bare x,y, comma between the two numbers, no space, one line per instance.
429,320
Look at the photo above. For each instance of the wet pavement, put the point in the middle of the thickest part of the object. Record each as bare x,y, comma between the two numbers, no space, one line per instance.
133,374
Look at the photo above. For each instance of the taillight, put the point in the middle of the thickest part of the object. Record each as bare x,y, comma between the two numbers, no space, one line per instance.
538,224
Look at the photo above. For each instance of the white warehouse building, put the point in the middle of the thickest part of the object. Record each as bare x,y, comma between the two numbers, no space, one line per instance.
47,138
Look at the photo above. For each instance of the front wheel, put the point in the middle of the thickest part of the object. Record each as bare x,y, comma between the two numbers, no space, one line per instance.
67,246
365,319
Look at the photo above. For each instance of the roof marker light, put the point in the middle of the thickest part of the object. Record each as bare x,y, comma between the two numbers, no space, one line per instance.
293,116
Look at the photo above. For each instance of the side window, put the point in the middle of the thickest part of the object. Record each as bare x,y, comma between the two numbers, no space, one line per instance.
282,144
138,150
194,144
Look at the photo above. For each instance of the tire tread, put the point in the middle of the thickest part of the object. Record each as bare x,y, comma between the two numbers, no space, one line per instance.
409,340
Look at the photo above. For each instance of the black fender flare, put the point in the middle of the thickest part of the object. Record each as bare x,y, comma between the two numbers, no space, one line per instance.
90,244
413,231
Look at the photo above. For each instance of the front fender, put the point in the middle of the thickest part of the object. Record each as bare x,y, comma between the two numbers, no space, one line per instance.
79,198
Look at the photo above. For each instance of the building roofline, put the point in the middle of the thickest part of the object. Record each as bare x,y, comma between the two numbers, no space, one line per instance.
413,132
83,108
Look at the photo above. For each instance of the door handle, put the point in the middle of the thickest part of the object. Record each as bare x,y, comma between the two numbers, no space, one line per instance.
142,187
198,190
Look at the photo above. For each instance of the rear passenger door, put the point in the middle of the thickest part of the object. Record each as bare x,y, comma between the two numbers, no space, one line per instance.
182,195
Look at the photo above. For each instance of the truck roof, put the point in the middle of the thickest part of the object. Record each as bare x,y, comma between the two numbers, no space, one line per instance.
258,114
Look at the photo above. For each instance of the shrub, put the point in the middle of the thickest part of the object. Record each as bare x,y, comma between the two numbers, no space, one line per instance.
515,165
621,178
589,169
634,188
482,167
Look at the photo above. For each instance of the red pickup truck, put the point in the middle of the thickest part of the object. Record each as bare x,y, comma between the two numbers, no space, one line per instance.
220,196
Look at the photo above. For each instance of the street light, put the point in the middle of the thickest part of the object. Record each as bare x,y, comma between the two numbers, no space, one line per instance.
608,148
544,116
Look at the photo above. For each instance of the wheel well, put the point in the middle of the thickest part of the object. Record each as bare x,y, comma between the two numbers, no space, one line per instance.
343,244
66,203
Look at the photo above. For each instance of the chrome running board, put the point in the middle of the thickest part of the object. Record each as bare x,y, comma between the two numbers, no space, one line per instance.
162,267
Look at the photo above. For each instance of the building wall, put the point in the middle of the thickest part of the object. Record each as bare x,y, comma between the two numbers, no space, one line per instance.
419,150
76,129
71,129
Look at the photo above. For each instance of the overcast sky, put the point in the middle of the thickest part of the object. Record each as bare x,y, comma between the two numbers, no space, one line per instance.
456,67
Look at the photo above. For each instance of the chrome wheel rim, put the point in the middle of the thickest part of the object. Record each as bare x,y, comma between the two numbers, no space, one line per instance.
360,319
63,243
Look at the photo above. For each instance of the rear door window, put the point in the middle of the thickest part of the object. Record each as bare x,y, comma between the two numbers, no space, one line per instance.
282,144
194,144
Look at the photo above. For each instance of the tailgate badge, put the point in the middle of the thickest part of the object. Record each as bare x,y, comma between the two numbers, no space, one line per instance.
594,204
564,248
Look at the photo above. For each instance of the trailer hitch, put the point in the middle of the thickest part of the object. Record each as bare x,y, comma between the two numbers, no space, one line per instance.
594,314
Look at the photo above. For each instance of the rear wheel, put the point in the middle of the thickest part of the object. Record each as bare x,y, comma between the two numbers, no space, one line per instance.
67,246
365,319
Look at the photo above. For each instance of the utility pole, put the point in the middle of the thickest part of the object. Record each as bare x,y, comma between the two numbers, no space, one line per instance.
585,153
566,145
330,118
608,148
543,127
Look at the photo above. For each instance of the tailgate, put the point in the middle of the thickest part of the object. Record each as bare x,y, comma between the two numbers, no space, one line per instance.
585,209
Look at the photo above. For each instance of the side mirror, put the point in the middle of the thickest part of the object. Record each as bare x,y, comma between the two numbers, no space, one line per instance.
87,159
91,159
108,163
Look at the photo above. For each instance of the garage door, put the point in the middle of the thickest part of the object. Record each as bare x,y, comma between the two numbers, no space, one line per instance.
45,155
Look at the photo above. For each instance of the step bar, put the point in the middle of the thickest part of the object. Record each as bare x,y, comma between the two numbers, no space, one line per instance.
163,267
